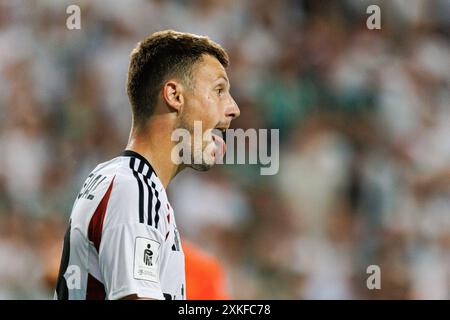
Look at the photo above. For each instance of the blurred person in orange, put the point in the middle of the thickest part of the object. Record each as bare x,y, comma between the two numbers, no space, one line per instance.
205,276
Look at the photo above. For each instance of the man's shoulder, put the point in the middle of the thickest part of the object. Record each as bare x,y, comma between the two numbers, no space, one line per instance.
136,195
111,175
116,169
136,198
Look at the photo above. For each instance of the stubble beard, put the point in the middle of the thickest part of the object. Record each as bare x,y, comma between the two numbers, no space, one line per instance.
203,166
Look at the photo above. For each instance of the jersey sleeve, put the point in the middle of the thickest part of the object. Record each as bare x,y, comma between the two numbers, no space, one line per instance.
130,259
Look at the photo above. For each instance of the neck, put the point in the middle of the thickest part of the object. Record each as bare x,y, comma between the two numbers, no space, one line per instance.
154,143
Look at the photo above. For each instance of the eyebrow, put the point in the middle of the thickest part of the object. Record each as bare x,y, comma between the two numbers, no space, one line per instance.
224,78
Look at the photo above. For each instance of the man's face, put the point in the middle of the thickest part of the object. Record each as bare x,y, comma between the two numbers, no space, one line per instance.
208,101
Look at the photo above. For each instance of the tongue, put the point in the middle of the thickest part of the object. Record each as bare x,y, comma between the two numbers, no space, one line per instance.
221,146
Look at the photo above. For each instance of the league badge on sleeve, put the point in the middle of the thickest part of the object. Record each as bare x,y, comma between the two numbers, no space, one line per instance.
146,259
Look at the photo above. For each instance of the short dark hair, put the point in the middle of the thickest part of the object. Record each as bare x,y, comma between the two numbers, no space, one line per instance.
163,54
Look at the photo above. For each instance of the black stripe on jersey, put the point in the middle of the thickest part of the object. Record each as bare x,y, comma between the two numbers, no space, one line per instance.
141,190
62,291
143,165
150,189
158,205
132,154
150,202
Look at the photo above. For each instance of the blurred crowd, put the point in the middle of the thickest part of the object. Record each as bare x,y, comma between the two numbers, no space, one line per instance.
364,119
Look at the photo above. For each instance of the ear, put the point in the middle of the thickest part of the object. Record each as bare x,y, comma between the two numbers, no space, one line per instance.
173,95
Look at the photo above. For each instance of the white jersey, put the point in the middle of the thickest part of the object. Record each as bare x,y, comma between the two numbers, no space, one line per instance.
122,239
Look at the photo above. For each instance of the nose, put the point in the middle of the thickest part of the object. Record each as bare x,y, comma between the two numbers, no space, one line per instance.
232,110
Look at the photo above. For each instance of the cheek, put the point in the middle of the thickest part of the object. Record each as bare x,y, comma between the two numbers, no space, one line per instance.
200,109
209,113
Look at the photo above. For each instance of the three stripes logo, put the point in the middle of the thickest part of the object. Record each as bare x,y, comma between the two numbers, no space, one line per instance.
147,192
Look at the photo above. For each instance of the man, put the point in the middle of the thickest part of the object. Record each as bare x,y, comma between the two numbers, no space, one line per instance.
122,241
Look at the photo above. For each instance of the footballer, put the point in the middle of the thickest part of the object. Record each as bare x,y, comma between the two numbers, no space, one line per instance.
122,241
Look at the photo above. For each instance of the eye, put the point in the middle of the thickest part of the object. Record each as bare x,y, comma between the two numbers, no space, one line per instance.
220,89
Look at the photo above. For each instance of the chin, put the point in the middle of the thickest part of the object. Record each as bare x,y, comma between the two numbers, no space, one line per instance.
201,167
208,159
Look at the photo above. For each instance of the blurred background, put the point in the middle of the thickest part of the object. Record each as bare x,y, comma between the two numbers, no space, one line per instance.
364,119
